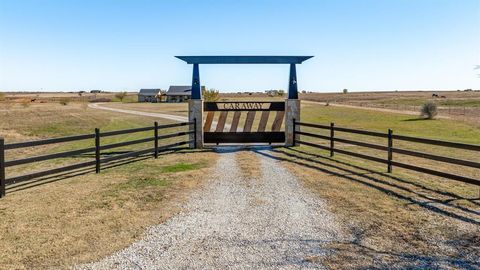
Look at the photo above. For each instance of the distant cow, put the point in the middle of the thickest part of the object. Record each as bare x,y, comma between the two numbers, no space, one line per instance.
443,97
434,95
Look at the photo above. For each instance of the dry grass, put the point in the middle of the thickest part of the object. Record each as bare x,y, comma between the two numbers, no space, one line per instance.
458,105
392,219
90,216
54,97
416,97
59,221
249,163
168,108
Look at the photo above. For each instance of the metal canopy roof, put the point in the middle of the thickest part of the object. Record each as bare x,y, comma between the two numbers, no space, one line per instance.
244,59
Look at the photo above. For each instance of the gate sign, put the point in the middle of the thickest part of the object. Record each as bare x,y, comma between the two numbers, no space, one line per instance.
244,106
251,131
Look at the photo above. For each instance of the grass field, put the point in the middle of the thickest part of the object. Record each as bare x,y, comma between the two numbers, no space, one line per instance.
451,98
391,216
399,215
56,222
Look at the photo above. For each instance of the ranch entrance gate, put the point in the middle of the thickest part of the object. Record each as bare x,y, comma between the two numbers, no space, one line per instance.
272,114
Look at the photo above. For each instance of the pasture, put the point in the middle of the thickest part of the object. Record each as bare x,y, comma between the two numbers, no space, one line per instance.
80,207
389,216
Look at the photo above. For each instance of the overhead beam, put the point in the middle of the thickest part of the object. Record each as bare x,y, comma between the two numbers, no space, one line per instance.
244,59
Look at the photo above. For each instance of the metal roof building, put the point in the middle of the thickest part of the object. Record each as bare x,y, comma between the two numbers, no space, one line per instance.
180,93
148,95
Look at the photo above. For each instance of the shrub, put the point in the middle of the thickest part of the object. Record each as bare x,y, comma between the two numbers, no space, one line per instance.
64,101
120,96
429,110
210,95
25,102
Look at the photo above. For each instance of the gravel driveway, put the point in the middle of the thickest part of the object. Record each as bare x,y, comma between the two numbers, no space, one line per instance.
267,222
172,117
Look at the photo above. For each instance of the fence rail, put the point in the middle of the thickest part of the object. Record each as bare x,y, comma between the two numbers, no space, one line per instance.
389,149
97,135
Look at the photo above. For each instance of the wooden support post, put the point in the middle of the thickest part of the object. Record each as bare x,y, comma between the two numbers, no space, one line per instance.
390,152
155,144
2,167
97,150
332,139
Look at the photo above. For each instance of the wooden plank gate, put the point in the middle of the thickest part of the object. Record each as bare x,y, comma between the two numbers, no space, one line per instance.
233,132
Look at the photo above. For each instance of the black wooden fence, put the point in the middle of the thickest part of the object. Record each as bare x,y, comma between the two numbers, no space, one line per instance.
390,149
97,135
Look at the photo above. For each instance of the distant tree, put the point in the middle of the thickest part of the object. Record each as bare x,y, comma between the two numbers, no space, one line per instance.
210,94
429,110
121,95
281,92
345,91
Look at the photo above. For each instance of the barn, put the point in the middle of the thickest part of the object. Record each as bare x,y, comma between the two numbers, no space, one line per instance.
180,93
149,95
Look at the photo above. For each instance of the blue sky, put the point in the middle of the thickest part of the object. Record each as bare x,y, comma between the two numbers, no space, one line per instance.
126,45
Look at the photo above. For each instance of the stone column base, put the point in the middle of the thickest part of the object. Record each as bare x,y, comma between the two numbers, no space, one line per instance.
195,114
292,107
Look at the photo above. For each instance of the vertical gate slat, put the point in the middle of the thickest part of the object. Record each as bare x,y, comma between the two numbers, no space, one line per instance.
236,119
208,121
263,121
221,121
277,123
249,121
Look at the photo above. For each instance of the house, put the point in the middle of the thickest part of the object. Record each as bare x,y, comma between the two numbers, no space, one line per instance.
177,93
149,95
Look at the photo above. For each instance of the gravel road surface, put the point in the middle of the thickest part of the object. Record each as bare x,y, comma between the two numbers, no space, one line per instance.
149,114
265,222
177,118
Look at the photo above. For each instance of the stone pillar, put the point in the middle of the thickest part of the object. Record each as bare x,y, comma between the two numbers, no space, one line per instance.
292,107
195,113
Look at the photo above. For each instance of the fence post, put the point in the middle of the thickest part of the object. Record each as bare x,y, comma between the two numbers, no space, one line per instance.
390,152
332,141
2,167
97,150
155,132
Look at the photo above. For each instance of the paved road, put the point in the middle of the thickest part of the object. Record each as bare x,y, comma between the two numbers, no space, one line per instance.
265,222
